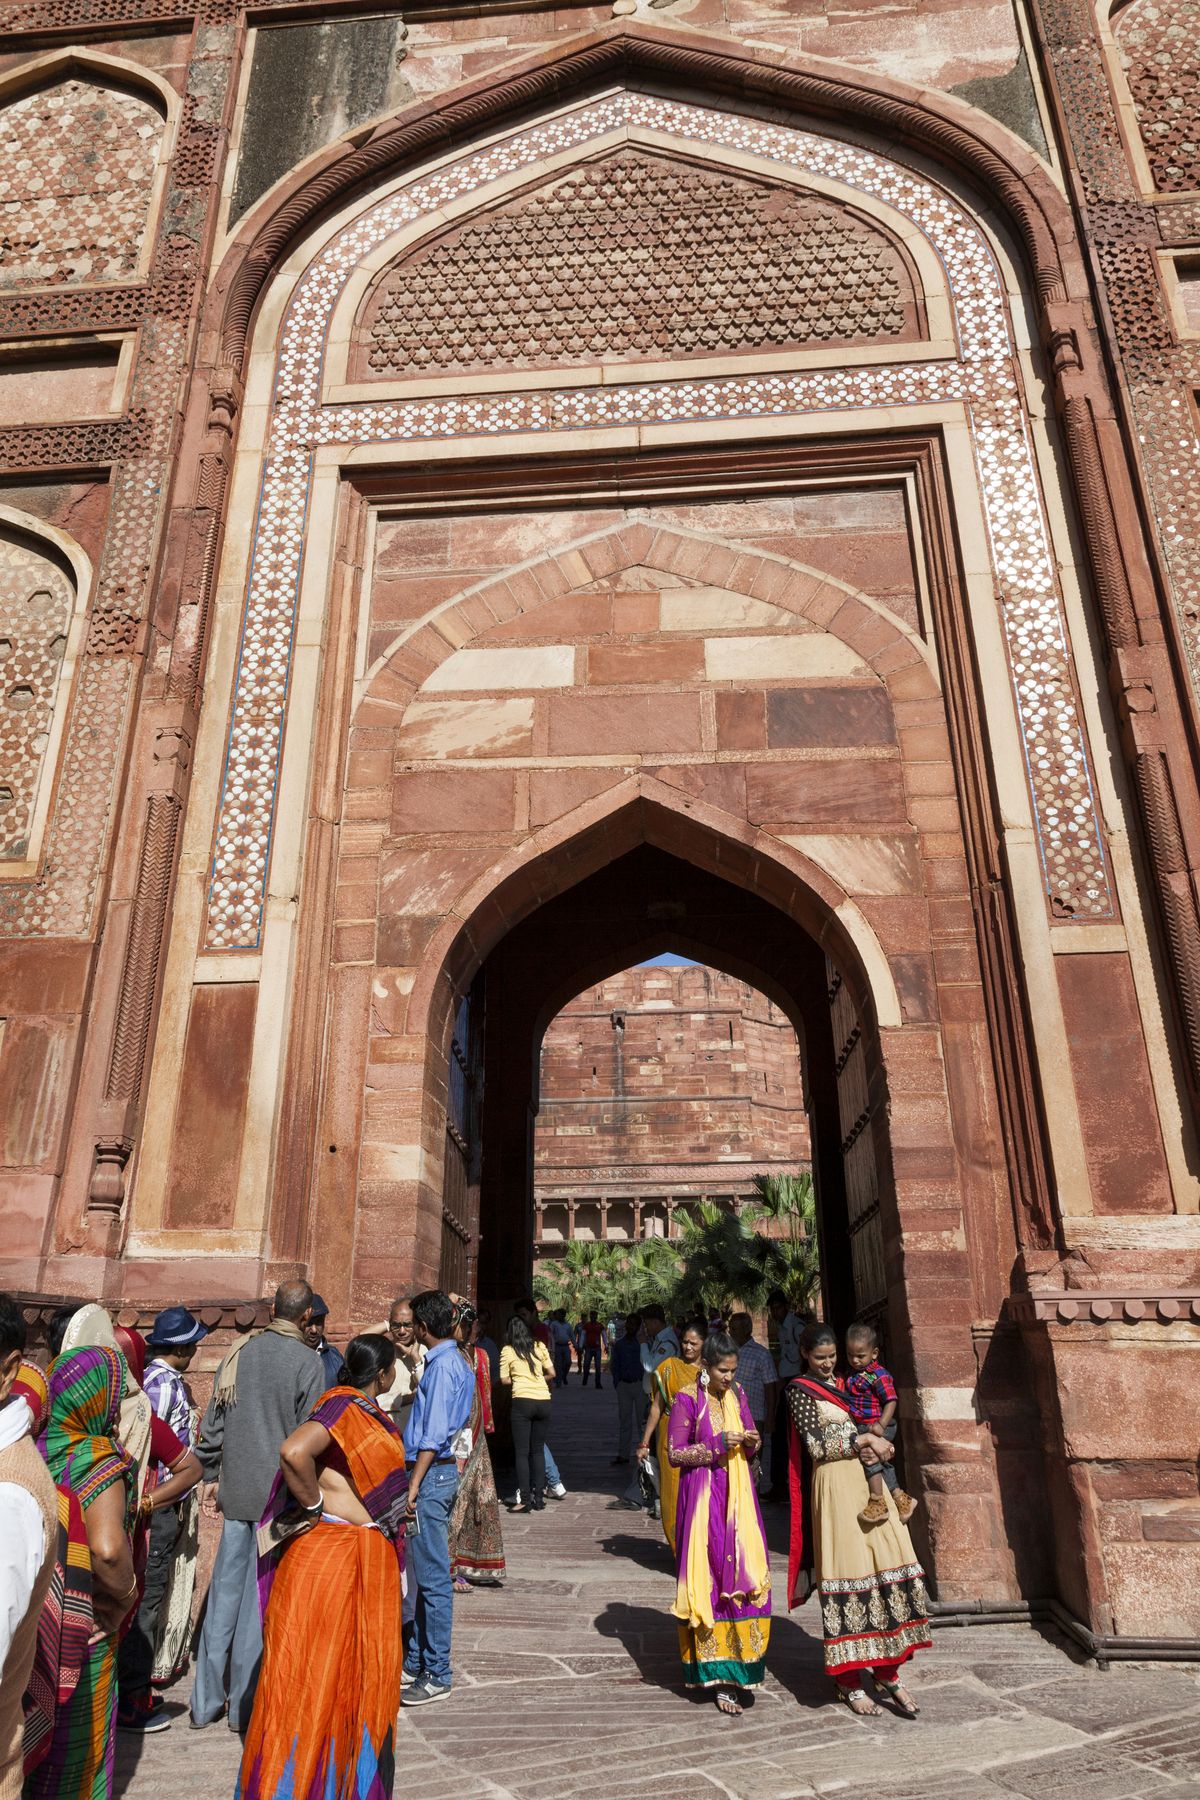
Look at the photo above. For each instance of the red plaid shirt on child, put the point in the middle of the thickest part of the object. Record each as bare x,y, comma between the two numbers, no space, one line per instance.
869,1390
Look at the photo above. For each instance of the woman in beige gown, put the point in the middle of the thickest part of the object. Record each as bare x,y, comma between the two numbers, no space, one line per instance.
871,1586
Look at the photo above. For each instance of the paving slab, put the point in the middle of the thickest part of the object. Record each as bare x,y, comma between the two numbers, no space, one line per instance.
568,1688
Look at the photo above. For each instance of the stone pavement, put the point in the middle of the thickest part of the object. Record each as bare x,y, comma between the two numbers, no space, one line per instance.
567,1684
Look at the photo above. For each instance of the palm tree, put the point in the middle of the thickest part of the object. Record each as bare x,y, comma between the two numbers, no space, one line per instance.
721,1260
787,1206
719,1257
583,1278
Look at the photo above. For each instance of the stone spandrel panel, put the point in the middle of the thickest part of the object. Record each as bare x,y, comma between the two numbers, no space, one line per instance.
36,604
1162,53
77,167
636,256
982,378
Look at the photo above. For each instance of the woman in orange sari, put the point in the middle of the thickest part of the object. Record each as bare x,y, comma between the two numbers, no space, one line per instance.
331,1554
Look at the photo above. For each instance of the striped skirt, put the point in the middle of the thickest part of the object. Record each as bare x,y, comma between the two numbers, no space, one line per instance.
79,1764
325,1710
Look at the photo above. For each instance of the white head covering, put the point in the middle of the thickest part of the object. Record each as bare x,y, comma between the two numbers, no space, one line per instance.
90,1328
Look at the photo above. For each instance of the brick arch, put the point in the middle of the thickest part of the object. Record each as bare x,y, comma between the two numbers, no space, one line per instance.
682,943
646,810
897,655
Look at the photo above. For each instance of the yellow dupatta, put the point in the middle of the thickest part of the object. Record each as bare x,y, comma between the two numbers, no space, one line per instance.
694,1587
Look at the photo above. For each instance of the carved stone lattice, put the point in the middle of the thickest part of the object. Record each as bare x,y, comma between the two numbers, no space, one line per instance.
36,603
1159,41
77,166
61,900
636,256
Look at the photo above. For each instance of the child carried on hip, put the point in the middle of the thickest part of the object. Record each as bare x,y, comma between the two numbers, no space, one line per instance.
871,1392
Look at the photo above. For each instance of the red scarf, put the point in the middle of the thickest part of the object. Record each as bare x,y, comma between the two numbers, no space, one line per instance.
801,1572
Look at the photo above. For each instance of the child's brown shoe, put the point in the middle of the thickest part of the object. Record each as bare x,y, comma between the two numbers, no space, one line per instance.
874,1512
904,1503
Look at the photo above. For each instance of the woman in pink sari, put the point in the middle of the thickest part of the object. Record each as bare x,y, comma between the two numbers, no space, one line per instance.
723,1585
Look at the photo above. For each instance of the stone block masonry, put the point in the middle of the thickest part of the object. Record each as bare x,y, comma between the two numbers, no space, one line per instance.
662,1086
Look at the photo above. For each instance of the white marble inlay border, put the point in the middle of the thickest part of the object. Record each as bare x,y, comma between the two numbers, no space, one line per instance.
984,379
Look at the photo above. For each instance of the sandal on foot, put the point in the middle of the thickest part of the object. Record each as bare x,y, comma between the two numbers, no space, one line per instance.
461,1585
874,1512
904,1503
866,1709
728,1703
900,1698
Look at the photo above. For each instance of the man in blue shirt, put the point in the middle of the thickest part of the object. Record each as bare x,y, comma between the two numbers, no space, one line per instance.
440,1410
625,1366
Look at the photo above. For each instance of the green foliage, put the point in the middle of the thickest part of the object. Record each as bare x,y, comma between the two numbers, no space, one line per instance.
786,1216
612,1279
720,1258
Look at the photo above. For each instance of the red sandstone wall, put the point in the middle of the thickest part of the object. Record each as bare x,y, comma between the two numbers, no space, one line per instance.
1126,1483
696,1090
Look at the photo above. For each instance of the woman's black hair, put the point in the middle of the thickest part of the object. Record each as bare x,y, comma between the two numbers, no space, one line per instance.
699,1326
366,1358
56,1330
815,1333
717,1346
14,1333
521,1341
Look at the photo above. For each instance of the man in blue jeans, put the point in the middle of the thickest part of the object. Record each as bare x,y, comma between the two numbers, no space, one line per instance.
439,1412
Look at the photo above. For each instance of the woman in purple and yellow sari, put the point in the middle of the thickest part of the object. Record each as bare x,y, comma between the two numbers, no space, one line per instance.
723,1586
325,1710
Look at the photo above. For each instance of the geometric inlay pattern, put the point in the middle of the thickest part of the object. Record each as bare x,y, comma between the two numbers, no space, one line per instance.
36,604
77,165
636,256
1163,54
983,379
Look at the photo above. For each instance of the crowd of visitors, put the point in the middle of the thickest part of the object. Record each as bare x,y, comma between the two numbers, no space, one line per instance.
365,1494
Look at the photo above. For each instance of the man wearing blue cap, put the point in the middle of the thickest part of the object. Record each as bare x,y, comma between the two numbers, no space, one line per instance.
331,1359
171,1347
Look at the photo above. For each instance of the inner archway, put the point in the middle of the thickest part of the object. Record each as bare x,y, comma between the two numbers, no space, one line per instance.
669,1093
642,902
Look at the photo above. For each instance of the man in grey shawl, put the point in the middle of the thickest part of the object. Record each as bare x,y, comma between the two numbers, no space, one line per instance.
266,1386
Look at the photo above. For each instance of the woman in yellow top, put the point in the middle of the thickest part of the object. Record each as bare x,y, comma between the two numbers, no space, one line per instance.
673,1376
526,1368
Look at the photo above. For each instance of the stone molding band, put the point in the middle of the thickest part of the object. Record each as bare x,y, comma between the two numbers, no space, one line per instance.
1115,1306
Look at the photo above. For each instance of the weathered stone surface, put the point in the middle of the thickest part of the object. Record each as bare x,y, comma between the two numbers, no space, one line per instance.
660,1086
310,83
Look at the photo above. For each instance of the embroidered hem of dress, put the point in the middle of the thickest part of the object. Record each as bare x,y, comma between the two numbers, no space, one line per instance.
896,1657
864,1649
724,1674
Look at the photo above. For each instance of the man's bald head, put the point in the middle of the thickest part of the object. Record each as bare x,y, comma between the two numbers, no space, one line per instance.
293,1300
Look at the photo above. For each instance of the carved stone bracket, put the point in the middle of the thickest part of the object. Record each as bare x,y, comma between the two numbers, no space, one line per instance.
1112,1307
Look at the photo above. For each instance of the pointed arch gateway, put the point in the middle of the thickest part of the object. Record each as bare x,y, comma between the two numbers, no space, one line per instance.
771,628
